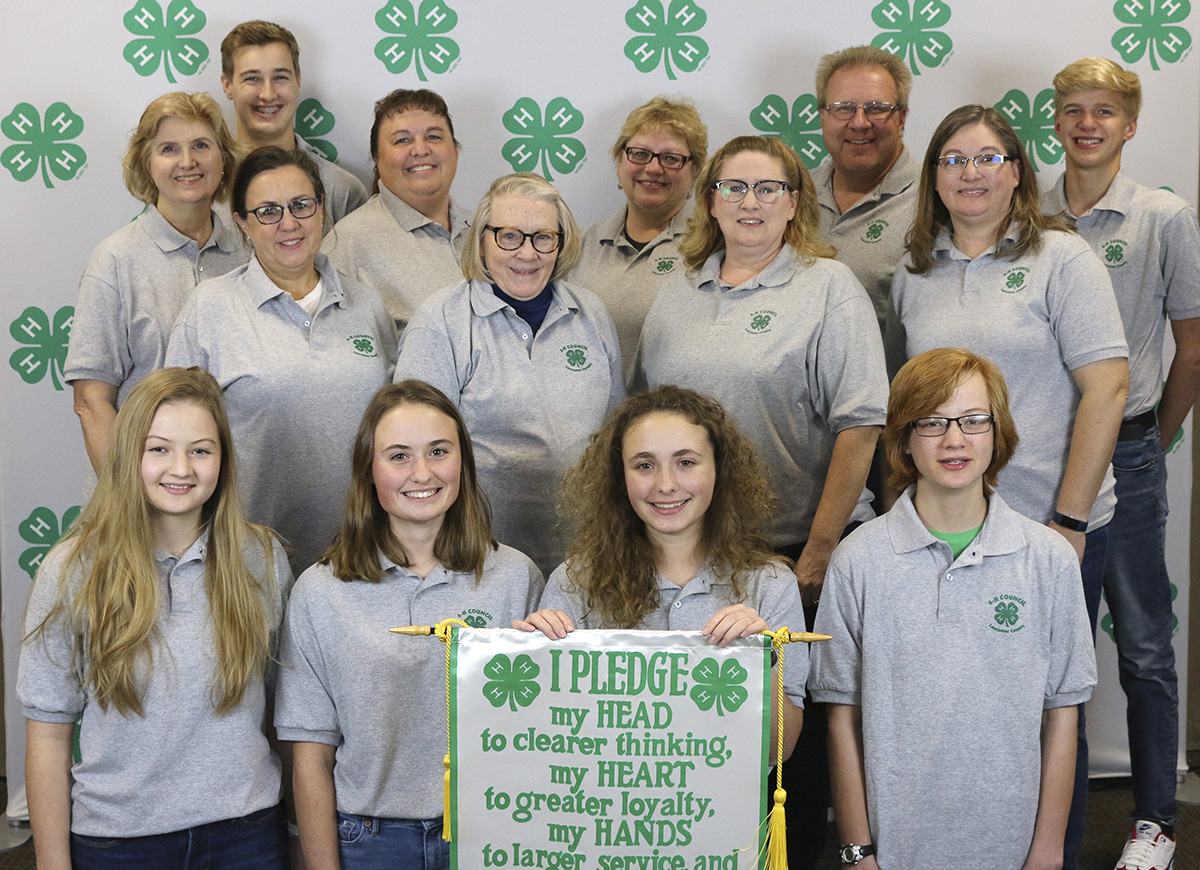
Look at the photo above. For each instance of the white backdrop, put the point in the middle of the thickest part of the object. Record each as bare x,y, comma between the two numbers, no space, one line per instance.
531,85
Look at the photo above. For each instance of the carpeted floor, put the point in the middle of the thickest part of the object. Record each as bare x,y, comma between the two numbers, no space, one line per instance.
1107,828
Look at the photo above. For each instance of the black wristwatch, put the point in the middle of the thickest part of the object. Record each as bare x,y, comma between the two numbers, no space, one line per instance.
1069,523
851,853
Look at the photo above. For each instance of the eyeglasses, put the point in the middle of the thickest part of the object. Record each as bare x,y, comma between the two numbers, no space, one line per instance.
767,192
957,162
667,159
970,424
874,110
300,209
511,239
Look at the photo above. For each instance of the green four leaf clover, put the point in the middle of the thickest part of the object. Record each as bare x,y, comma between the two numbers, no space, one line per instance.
799,128
314,120
874,230
1114,253
42,147
165,37
719,685
576,358
666,37
417,38
1006,613
514,683
760,322
46,344
1016,279
1034,124
1150,25
548,141
912,31
42,529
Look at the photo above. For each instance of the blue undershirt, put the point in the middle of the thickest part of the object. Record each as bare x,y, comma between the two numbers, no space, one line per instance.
532,311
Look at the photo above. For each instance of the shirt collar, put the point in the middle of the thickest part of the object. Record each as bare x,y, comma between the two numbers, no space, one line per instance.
1118,198
903,175
1001,532
611,230
262,289
484,302
169,239
778,273
944,247
410,219
197,552
439,576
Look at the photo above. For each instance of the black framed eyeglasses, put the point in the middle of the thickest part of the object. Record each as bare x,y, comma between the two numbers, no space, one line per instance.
875,110
300,209
958,162
767,192
666,159
968,424
511,239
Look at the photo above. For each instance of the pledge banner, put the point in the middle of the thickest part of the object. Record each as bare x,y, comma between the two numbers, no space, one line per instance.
608,750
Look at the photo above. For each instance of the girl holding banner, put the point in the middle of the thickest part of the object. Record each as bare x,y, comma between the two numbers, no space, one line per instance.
670,501
368,714
152,622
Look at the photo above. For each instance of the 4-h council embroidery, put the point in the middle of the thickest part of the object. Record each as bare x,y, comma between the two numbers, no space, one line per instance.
606,749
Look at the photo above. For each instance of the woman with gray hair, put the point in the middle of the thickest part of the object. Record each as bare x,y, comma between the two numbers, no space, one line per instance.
531,361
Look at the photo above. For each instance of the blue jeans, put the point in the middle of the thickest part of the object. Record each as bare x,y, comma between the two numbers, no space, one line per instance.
254,842
371,843
1092,571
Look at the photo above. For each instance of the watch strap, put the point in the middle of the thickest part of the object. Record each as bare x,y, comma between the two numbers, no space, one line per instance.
1070,523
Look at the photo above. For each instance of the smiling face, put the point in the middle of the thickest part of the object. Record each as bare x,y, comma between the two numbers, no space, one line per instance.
656,193
417,468
1093,128
265,88
977,198
186,164
752,226
417,158
522,273
954,462
861,146
286,249
181,461
670,475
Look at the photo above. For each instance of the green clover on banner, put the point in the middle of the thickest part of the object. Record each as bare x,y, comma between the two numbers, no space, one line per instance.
1152,24
42,147
514,683
165,37
548,141
46,344
912,31
1034,124
713,684
799,129
42,529
314,120
417,37
663,38
1006,613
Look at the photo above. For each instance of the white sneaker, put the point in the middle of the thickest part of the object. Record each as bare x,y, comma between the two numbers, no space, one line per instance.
1147,848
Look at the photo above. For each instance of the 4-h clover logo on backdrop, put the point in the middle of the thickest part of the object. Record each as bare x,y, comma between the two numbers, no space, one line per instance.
45,344
313,121
912,30
42,529
666,35
799,128
511,682
547,140
1154,26
43,147
417,38
719,686
1034,124
165,38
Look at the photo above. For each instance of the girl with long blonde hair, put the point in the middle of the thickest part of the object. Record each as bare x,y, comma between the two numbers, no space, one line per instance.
151,623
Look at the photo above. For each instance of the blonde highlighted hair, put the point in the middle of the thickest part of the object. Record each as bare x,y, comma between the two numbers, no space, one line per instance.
114,614
200,107
1099,74
677,117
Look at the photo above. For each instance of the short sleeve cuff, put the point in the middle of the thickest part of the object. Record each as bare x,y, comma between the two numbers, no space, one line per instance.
303,735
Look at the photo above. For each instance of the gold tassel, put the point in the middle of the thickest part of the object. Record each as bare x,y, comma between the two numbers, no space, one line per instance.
775,845
444,632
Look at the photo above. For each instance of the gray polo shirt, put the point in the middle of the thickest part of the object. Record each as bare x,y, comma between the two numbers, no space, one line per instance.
953,662
380,698
1038,318
870,235
1149,241
626,279
793,354
181,764
398,252
132,290
530,401
771,590
295,388
343,191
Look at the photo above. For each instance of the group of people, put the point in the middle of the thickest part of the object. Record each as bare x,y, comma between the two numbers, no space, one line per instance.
406,386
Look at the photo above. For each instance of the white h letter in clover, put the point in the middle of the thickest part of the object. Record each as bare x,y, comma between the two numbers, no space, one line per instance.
646,16
436,15
769,114
524,118
522,153
185,16
930,11
891,14
145,17
312,119
1012,110
395,52
19,161
1133,7
644,52
31,328
144,55
808,114
396,15
688,50
932,47
811,151
563,117
186,55
23,124
438,52
685,15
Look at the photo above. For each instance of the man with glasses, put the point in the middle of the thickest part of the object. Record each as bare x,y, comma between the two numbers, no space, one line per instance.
1150,242
867,188
260,73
